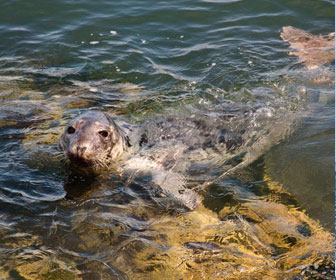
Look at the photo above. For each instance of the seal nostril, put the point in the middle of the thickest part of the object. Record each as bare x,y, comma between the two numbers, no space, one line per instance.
103,133
71,130
80,151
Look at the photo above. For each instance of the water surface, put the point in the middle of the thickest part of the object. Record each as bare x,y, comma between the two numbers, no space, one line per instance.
135,60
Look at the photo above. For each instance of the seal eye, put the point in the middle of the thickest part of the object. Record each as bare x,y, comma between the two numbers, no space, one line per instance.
71,130
103,133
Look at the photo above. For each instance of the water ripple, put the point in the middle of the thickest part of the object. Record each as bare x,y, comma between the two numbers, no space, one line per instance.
135,60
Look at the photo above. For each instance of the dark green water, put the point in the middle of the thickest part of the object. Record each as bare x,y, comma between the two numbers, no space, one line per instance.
136,59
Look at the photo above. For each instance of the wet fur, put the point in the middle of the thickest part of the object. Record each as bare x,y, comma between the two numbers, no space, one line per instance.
99,151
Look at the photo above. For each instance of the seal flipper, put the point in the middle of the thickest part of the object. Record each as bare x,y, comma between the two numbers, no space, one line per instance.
165,184
313,50
174,185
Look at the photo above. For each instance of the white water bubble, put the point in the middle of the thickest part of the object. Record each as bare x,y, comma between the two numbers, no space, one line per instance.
83,42
108,62
143,41
101,34
92,89
213,64
113,32
283,88
182,36
91,34
266,112
301,90
250,62
94,42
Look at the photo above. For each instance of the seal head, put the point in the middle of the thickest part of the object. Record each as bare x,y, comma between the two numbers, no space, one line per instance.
93,139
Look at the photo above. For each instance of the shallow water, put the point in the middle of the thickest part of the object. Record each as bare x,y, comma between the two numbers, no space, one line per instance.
273,219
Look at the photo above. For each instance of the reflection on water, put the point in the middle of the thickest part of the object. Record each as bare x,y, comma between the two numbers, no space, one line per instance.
245,230
272,219
66,225
305,164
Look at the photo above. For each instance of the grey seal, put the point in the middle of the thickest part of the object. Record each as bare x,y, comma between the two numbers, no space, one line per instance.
163,148
94,140
170,149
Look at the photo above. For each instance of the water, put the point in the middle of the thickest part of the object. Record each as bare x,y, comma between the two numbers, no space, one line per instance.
136,59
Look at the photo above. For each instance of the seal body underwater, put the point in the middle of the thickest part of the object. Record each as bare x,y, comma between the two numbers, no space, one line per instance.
169,148
163,148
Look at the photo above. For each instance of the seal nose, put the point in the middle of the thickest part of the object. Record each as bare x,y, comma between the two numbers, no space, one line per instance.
78,152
